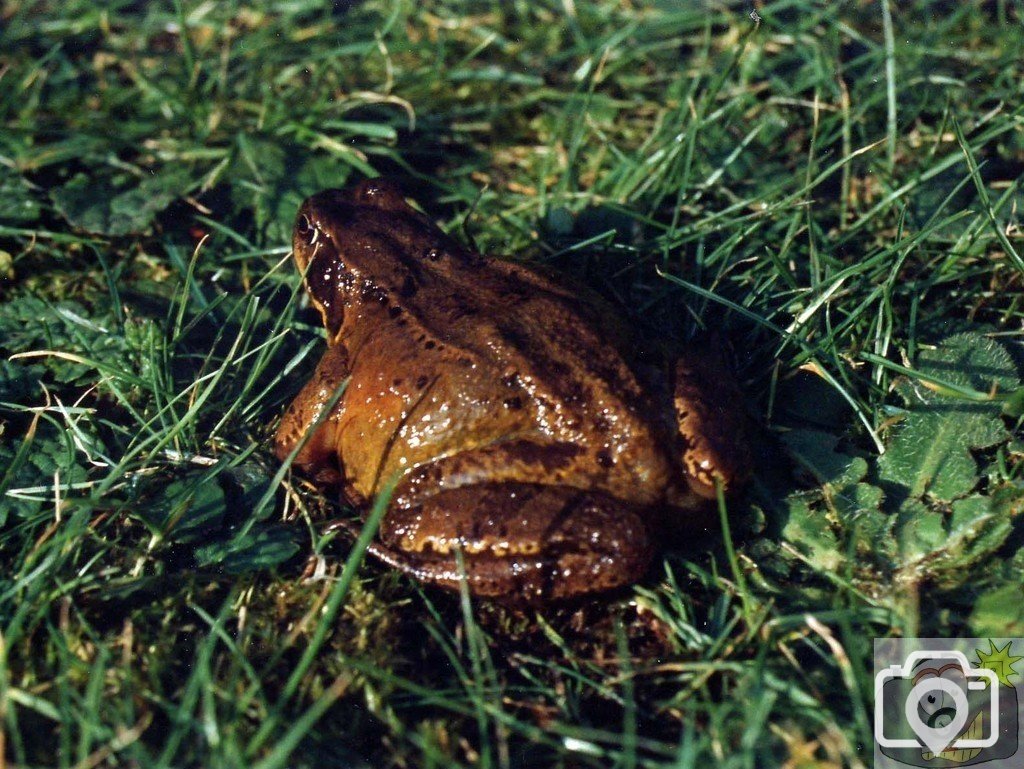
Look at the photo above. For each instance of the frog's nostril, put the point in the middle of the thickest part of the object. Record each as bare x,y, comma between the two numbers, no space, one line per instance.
305,229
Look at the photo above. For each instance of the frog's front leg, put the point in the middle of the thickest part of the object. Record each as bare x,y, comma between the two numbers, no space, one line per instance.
712,425
318,457
518,541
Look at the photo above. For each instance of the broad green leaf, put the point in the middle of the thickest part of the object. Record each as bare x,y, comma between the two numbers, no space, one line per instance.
852,509
872,537
919,531
85,202
856,498
858,506
29,324
118,207
19,381
930,451
971,360
999,612
929,456
946,546
811,532
31,470
186,509
258,549
1013,406
816,453
17,206
247,483
978,526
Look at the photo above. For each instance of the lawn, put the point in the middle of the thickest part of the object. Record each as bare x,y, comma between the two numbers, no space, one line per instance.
828,190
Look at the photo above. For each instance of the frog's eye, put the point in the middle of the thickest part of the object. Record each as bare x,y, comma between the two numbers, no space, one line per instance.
305,229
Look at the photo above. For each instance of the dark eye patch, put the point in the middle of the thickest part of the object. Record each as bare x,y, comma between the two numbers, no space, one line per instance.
327,281
304,229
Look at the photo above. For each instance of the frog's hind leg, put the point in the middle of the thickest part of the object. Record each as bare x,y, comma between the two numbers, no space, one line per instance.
519,542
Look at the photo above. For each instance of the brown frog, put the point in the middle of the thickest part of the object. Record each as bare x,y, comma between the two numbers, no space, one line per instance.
519,435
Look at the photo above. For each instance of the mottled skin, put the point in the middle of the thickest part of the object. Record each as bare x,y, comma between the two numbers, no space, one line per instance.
520,435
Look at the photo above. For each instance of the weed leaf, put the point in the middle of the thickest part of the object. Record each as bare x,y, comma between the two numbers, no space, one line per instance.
186,511
16,203
999,613
945,546
121,206
811,532
815,452
257,549
930,452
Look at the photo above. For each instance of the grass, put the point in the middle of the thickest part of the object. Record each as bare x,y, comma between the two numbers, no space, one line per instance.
832,192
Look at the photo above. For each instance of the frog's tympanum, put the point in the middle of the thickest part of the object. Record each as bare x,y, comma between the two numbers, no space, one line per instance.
530,458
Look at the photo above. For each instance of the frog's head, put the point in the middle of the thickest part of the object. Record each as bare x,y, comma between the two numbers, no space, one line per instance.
364,244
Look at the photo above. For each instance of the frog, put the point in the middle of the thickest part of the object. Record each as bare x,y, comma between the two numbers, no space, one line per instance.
524,454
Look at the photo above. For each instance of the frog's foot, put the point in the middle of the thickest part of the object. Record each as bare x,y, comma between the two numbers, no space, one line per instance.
521,542
711,422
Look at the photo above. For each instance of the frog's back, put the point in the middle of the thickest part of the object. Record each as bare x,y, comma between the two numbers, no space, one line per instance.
501,354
